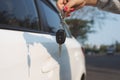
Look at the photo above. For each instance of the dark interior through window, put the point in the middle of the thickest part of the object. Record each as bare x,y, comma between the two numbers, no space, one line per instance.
21,13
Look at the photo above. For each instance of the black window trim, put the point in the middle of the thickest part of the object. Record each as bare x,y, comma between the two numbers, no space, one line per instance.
18,28
38,13
47,2
45,25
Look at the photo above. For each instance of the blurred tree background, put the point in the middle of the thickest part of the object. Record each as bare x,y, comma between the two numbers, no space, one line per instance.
80,28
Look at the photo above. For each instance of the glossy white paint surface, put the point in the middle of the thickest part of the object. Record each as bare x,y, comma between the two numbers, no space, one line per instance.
32,56
13,56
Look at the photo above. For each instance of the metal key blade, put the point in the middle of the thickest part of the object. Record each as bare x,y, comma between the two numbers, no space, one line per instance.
60,50
62,15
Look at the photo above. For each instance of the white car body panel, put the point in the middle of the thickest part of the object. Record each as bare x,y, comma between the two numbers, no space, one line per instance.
13,56
76,58
33,56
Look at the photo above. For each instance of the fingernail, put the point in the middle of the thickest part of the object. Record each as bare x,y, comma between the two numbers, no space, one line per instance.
72,9
65,8
68,15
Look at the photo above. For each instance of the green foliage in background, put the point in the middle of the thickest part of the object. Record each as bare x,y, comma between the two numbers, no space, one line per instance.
79,28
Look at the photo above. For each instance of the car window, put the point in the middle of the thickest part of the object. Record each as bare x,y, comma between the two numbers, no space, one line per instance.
21,13
49,17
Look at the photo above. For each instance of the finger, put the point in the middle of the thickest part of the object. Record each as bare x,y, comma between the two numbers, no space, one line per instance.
80,6
68,14
65,1
72,9
60,4
69,5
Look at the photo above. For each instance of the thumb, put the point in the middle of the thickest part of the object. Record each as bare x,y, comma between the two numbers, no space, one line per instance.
60,4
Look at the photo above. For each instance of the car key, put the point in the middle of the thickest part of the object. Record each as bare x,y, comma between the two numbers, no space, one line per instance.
61,36
62,23
60,50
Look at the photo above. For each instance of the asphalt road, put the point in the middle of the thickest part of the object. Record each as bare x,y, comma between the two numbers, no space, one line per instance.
103,67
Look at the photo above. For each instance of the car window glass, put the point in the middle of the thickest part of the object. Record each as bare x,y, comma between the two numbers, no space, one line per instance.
52,18
20,13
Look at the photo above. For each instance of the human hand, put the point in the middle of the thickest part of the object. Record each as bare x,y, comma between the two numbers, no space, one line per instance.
70,5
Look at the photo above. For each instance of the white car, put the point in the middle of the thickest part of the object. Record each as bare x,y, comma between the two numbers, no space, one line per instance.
110,50
30,34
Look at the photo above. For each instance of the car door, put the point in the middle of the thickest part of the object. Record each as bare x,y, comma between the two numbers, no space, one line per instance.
52,23
71,60
46,64
16,19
